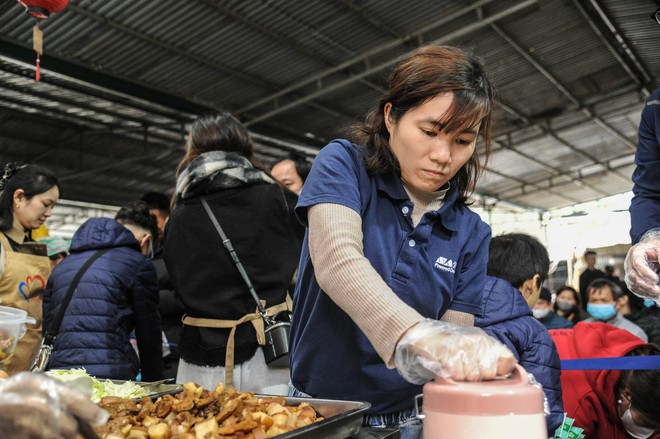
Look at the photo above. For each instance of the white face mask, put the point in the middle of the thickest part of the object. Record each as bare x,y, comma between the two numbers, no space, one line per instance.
633,429
540,313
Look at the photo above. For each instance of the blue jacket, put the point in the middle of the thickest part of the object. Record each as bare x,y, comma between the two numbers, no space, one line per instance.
645,204
555,321
508,318
116,295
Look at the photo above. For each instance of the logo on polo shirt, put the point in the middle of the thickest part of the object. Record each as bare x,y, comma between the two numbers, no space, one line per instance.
445,264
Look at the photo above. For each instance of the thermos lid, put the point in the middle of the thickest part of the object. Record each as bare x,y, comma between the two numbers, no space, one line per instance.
510,396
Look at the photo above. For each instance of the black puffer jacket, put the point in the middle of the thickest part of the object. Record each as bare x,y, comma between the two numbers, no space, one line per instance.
259,220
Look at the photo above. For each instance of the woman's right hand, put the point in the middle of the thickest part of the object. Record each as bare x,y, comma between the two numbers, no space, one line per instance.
433,347
642,266
37,406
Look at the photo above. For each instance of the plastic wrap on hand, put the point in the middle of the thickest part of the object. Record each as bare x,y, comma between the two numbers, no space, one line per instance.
642,266
462,353
34,405
534,382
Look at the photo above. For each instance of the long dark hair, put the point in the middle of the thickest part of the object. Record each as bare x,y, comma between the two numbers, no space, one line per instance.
426,73
33,179
217,132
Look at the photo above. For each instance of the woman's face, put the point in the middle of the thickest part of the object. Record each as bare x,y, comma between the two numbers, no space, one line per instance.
32,213
637,417
428,156
567,296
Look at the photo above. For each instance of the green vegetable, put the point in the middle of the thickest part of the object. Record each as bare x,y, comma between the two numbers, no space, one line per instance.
98,388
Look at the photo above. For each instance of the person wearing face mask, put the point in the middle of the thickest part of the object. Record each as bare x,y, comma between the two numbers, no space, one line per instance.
28,194
633,309
567,305
542,311
117,295
611,404
604,305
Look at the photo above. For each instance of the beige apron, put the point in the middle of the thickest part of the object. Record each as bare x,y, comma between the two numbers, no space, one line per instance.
22,287
255,318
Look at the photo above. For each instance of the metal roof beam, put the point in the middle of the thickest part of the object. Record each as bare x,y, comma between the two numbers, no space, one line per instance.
615,42
570,96
575,181
387,64
556,172
521,191
185,53
530,123
93,78
524,184
71,103
551,133
288,41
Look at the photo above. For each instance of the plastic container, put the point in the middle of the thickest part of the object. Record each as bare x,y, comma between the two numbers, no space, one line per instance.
12,328
498,409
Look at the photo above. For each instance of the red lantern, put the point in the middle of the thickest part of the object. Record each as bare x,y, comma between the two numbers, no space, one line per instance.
41,9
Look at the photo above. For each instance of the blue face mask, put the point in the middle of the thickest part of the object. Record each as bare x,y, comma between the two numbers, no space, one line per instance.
602,312
649,303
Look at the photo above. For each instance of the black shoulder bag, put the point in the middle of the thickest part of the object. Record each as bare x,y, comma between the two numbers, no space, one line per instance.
277,328
42,358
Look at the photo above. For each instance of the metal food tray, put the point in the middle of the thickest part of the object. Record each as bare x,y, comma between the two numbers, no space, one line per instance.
342,418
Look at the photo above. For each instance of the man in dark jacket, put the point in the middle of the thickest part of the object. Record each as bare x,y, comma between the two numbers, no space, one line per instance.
634,308
521,264
117,295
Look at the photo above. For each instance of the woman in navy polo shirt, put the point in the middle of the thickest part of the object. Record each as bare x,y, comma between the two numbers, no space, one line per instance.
391,247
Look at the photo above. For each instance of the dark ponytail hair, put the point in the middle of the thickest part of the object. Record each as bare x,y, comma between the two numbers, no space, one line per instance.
33,179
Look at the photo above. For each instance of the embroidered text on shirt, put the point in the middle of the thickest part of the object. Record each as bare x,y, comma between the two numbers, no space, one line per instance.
445,264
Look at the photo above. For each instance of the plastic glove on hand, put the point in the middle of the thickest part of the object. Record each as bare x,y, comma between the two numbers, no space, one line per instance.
642,264
36,406
434,347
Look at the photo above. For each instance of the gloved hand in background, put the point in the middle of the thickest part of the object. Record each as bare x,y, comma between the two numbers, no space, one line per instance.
433,347
36,406
642,266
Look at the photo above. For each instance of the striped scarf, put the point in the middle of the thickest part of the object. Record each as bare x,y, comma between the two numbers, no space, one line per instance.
225,169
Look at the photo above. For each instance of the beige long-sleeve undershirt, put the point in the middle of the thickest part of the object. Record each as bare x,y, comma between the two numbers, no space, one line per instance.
347,276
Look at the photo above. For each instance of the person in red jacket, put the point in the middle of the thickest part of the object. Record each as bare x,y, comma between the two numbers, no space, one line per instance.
609,404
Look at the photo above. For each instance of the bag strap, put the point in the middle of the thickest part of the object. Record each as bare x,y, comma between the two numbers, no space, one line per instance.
51,333
230,248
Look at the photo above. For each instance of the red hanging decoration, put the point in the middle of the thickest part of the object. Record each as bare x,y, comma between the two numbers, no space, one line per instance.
41,9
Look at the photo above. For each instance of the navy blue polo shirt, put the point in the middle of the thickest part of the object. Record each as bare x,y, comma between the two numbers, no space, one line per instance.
440,264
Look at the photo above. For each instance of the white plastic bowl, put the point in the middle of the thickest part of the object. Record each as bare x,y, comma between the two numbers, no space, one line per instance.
12,328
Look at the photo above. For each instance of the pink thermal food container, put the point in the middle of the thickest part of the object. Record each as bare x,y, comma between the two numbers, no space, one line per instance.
498,409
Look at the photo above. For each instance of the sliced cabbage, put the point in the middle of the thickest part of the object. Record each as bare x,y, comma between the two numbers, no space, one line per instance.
98,388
